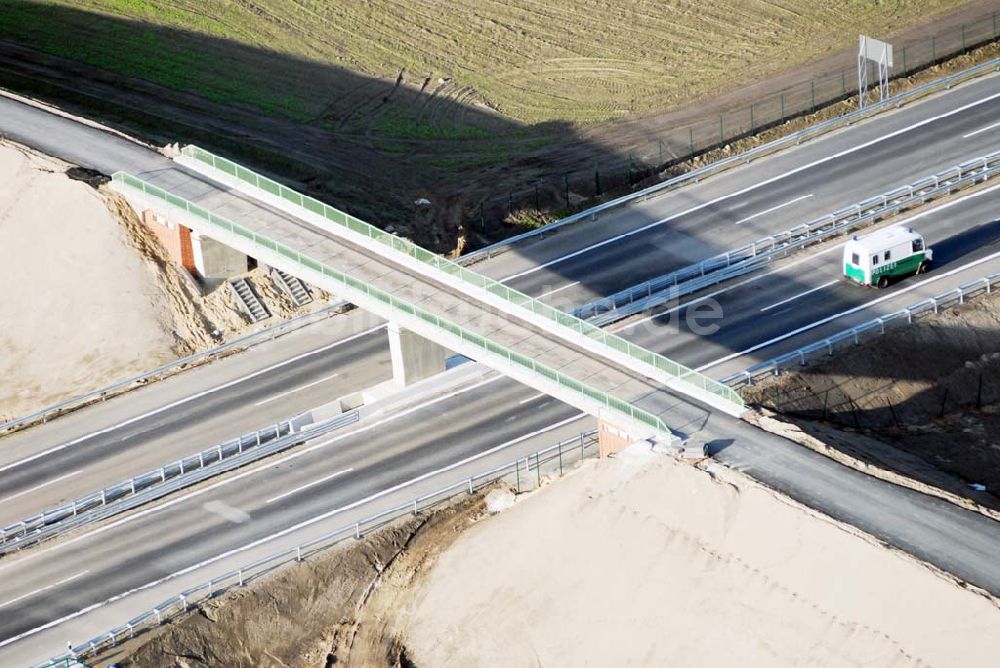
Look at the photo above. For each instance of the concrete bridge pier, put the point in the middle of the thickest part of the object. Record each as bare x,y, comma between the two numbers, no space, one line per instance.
414,358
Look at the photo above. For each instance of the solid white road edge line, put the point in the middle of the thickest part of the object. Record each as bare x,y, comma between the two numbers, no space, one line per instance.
283,532
860,307
790,265
307,485
755,186
552,292
248,472
187,399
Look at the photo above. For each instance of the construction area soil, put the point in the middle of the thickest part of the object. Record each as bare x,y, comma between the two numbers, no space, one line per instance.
374,106
89,297
922,402
635,560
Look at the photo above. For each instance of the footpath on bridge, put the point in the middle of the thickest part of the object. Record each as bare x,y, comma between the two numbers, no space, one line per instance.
626,385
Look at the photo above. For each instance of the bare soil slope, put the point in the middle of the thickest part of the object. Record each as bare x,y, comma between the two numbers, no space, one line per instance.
923,400
88,296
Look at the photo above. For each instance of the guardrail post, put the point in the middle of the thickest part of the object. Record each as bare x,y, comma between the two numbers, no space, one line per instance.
470,485
517,474
184,603
220,449
210,588
133,486
935,301
802,358
298,553
74,515
104,497
159,620
414,507
240,575
131,629
357,530
201,459
163,474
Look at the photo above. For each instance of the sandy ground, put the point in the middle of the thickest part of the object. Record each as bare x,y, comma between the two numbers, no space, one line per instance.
646,561
87,297
78,304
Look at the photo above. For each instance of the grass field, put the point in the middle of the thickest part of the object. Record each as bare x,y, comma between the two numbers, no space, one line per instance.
464,63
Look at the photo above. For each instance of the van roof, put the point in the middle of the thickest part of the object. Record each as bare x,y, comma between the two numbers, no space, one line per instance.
890,236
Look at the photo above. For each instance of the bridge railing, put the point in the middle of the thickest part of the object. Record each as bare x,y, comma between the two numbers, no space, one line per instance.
616,343
525,473
394,304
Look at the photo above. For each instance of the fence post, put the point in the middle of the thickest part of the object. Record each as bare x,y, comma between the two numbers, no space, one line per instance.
628,168
904,61
691,139
933,50
660,142
751,119
812,88
510,202
781,98
843,82
597,178
566,187
722,130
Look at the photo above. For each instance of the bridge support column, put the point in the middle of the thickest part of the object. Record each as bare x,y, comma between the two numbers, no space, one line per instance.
413,357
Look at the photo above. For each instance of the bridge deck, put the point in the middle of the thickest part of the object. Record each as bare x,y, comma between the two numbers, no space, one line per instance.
444,298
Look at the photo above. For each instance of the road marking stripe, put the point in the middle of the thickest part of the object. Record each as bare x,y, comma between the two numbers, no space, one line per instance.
297,389
307,485
283,532
988,127
242,474
38,487
801,294
790,265
769,181
860,307
773,209
531,398
40,590
186,399
552,292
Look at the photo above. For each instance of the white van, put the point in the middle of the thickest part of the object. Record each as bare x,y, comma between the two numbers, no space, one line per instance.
876,258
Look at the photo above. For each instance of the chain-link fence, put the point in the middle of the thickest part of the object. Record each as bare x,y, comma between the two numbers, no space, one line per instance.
556,191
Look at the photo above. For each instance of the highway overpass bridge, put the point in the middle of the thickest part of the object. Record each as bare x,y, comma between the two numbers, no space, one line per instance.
635,392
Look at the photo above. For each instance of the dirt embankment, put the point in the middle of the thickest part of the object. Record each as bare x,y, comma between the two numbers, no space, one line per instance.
88,295
923,401
327,610
637,560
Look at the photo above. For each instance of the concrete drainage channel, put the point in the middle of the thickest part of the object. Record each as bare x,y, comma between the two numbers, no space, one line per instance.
225,457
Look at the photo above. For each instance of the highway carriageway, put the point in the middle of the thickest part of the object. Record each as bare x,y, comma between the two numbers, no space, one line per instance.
759,463
624,246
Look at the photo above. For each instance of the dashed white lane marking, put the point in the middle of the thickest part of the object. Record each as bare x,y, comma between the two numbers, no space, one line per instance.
773,209
801,294
297,389
39,591
38,487
308,485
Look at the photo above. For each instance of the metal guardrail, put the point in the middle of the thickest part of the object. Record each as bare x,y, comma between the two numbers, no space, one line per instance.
264,245
760,151
166,480
524,472
246,341
574,326
15,533
761,252
871,329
